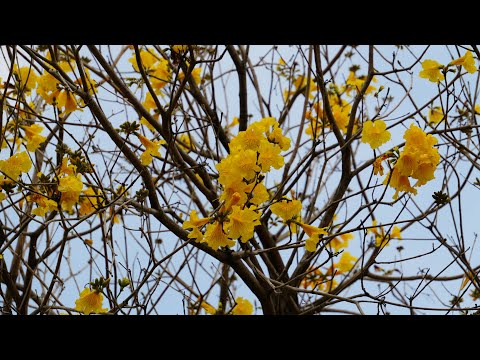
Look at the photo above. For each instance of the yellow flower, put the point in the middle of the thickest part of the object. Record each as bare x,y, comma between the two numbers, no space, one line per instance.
356,83
396,234
375,133
15,165
341,113
431,71
90,301
47,87
88,202
346,263
340,242
33,137
242,307
66,101
249,139
288,210
216,237
158,69
162,73
269,155
147,59
44,204
260,194
399,183
149,104
197,235
227,172
477,109
382,239
194,221
3,196
91,84
246,164
209,309
195,74
377,165
144,121
66,168
435,115
27,77
467,61
185,139
235,186
418,160
179,49
70,186
277,137
152,149
242,223
314,236
301,81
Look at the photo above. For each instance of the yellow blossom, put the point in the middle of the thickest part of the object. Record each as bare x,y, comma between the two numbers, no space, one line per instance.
147,58
341,113
88,202
66,168
197,235
467,61
2,196
435,115
195,74
44,204
269,155
340,242
356,83
375,133
260,194
152,149
216,237
432,71
277,137
314,236
246,164
27,77
33,137
144,121
66,101
179,48
377,165
70,186
346,262
242,307
90,301
15,165
242,223
194,221
47,87
187,143
396,234
209,309
249,139
288,210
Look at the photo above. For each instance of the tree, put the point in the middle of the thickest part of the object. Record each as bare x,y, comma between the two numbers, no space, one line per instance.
239,179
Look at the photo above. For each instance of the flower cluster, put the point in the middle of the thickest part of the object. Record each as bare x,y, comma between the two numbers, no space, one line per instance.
253,153
418,160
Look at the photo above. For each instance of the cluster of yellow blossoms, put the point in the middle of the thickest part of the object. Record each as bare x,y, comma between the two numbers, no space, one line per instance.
435,72
253,153
418,160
